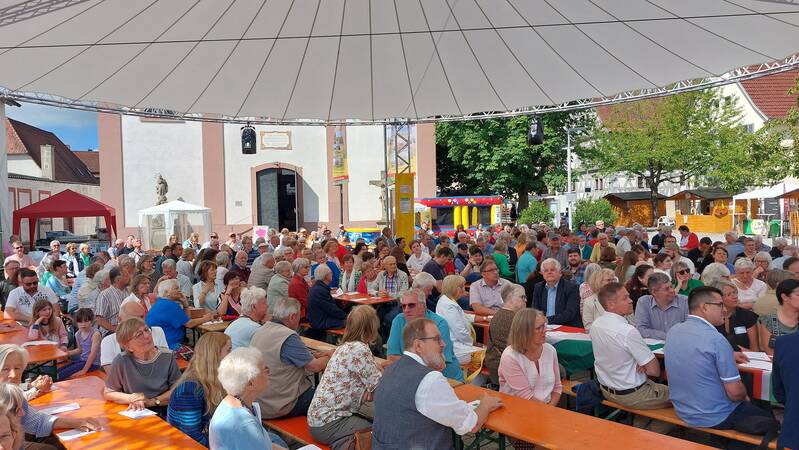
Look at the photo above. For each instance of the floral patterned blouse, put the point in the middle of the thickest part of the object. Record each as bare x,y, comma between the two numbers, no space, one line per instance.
350,374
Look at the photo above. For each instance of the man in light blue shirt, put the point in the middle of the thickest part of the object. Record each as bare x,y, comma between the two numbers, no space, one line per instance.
414,305
552,295
704,384
655,314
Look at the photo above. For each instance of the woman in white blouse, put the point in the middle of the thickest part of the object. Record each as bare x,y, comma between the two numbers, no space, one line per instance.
452,288
749,288
529,366
418,258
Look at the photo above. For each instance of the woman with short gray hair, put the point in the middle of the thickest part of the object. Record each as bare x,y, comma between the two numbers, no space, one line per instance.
715,272
236,423
749,288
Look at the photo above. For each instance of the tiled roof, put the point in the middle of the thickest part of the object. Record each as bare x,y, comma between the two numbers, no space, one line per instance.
91,159
770,93
68,167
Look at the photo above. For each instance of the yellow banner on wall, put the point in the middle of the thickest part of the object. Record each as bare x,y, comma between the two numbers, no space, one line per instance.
403,206
340,171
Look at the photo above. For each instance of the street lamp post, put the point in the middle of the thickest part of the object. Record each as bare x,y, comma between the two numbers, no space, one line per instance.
569,187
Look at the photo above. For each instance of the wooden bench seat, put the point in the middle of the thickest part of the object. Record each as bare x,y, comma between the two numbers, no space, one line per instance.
669,415
296,428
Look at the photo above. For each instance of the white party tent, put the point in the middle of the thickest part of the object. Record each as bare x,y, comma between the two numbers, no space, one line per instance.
311,61
176,217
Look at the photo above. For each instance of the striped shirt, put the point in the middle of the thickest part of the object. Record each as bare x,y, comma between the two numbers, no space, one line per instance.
187,411
36,422
108,303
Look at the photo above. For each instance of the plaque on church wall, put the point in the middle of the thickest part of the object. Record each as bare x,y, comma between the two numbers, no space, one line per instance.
275,140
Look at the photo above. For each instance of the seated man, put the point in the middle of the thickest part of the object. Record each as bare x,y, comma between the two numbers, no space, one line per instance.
19,305
110,300
170,271
657,312
622,360
390,282
290,389
559,299
602,243
167,312
484,294
109,347
263,269
323,313
413,306
239,265
253,312
415,407
526,263
704,383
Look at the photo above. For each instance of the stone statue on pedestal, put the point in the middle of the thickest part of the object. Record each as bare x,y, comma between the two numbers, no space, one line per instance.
161,188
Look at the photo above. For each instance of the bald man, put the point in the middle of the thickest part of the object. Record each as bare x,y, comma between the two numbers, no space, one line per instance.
109,348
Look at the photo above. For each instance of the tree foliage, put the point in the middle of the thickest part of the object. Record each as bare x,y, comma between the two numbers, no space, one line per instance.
693,135
484,157
785,134
535,213
589,211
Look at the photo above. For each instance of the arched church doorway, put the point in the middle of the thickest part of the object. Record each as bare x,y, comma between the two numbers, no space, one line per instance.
276,190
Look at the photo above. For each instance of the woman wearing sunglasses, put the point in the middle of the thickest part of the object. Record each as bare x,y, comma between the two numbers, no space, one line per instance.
681,279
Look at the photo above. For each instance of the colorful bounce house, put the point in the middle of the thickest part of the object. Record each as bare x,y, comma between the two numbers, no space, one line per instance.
445,214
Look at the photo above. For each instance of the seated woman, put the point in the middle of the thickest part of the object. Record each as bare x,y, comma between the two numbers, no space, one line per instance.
347,383
13,360
636,285
740,325
785,321
12,401
591,309
146,267
681,278
298,287
204,292
514,299
198,392
45,326
58,279
349,278
460,330
585,289
168,314
236,424
230,297
749,288
368,277
140,292
418,258
529,365
143,375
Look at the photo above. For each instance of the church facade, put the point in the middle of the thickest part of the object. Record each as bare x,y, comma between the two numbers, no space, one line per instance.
299,176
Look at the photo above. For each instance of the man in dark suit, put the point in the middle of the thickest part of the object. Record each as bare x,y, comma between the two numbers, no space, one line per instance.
785,379
558,299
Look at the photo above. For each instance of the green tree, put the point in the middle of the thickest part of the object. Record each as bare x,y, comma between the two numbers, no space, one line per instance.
483,157
696,134
589,211
535,213
784,133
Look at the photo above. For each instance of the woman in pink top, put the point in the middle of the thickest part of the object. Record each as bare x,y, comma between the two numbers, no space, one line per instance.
528,367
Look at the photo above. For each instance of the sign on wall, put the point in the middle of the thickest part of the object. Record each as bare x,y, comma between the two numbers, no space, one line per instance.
340,171
274,140
403,206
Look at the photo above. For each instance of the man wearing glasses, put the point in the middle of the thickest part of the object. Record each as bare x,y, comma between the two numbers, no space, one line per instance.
655,314
413,305
704,382
20,301
20,257
622,360
415,407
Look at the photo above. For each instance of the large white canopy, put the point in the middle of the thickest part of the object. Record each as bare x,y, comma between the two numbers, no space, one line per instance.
175,218
376,60
767,192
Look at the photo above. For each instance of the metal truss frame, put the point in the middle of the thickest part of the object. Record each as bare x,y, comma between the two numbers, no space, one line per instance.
744,73
33,8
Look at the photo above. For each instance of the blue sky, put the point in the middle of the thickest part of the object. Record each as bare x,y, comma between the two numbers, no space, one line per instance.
78,129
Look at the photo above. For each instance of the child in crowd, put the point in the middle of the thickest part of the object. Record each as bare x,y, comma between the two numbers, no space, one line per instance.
45,326
88,341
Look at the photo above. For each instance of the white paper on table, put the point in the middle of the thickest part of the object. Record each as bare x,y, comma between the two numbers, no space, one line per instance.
760,356
30,343
60,409
213,321
470,317
73,434
359,299
137,414
309,447
651,341
757,364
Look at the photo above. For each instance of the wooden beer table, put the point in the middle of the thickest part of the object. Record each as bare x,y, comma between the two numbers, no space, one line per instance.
119,432
218,326
38,355
361,299
557,428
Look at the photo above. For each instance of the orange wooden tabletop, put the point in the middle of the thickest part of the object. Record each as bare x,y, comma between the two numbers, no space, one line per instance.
119,432
19,336
361,299
218,326
557,428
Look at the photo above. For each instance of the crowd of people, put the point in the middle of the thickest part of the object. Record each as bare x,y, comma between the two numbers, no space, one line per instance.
126,312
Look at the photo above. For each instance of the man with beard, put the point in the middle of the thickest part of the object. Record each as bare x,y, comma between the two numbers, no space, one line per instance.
415,407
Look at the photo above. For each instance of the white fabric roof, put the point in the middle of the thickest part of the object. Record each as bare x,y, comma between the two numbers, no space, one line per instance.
175,206
373,60
767,192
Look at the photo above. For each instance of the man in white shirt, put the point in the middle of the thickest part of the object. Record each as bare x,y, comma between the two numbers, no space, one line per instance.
109,347
622,359
623,245
19,305
415,407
